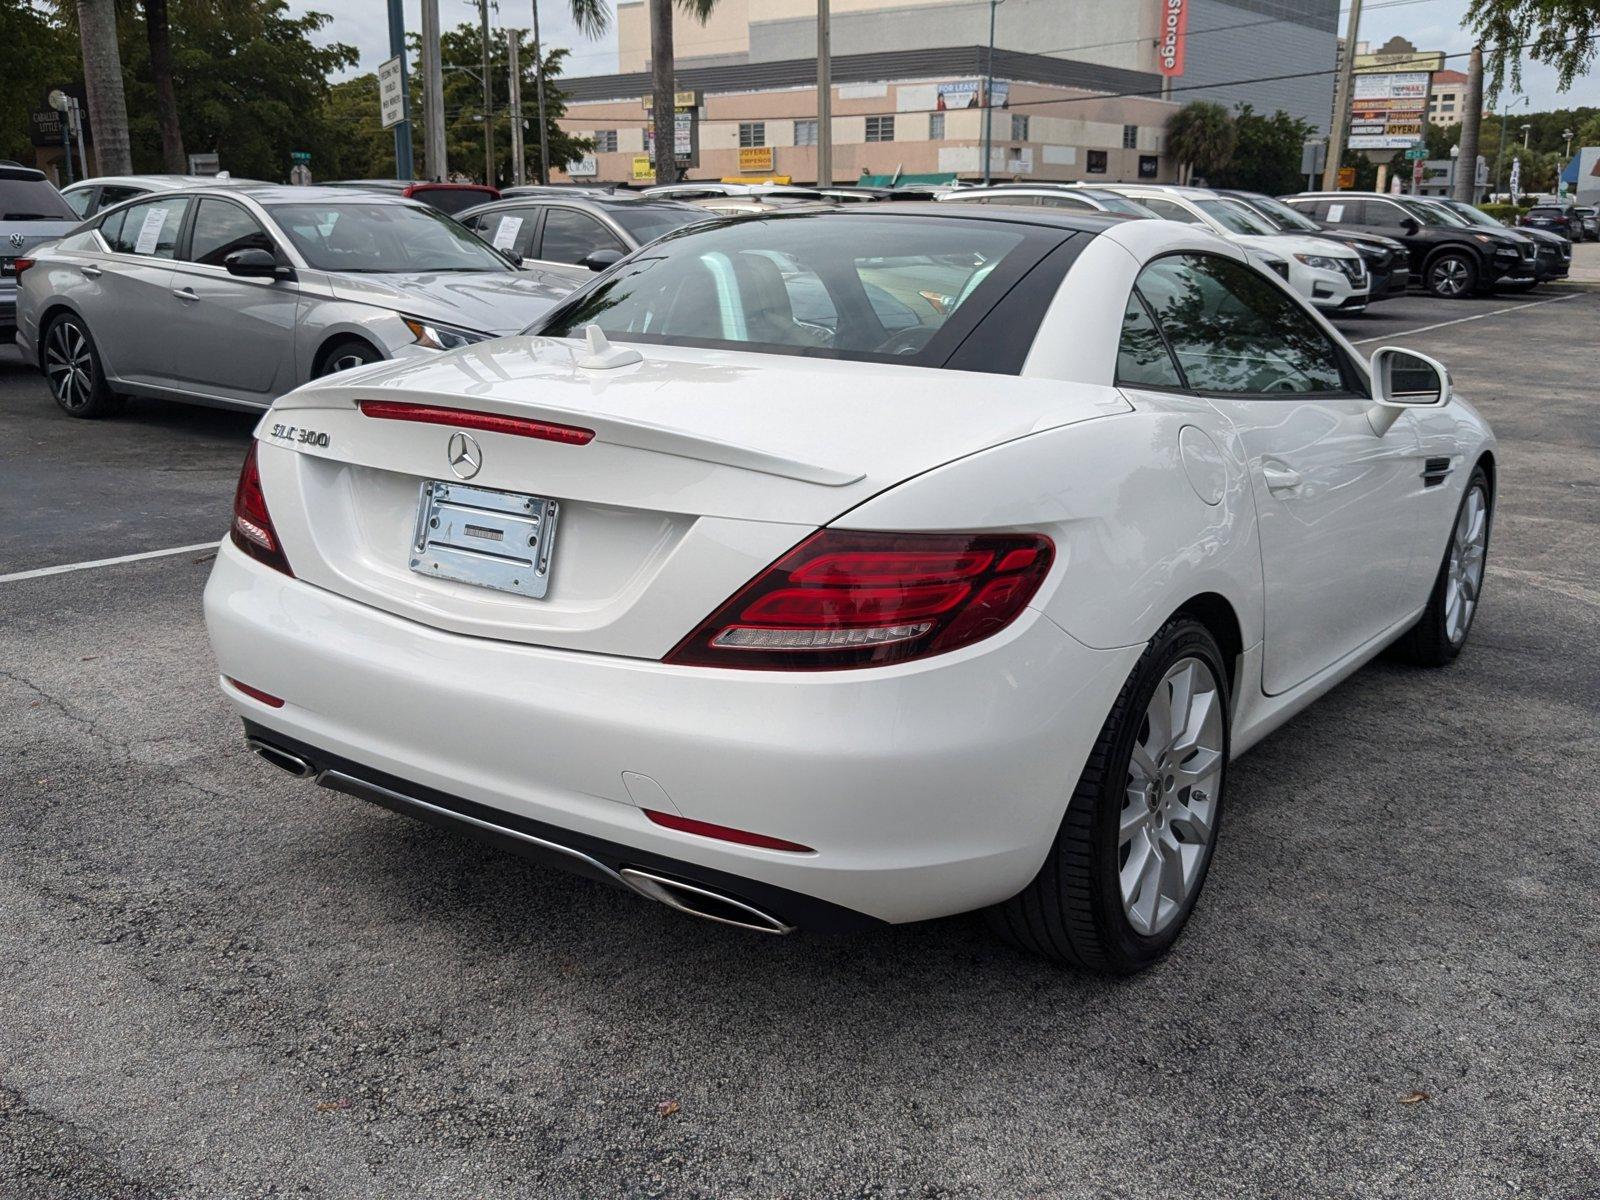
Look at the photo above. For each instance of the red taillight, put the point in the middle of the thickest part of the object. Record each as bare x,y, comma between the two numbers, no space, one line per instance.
847,599
254,693
19,265
463,418
724,833
252,528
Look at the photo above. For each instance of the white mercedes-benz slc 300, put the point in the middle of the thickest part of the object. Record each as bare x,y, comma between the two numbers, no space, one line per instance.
843,567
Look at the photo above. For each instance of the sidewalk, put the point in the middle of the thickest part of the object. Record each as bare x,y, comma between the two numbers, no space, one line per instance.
1585,263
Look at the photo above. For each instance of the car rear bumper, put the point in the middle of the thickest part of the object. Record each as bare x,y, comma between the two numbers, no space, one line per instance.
925,789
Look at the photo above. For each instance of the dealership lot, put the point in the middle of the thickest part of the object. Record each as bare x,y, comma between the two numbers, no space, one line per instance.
221,981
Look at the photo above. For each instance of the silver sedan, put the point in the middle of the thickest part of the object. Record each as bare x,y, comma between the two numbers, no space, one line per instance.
234,295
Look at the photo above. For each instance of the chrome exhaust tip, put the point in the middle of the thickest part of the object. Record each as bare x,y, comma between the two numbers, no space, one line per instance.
280,758
702,902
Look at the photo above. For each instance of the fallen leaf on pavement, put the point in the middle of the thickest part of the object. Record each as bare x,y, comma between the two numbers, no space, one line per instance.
1414,1097
666,1108
333,1105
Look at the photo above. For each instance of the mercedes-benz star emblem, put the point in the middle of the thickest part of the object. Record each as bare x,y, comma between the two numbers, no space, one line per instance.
465,455
16,239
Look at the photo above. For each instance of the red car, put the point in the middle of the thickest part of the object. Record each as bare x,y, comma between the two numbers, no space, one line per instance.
449,198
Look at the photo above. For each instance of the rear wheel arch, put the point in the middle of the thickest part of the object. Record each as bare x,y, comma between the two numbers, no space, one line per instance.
48,318
1217,614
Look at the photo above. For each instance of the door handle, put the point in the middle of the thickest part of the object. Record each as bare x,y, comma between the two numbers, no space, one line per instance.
92,272
1281,478
184,294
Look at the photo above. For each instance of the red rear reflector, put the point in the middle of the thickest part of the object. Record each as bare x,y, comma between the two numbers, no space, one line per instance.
266,698
461,418
252,529
723,833
848,599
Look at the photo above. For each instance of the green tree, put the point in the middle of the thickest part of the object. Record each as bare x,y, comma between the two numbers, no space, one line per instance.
1266,155
461,52
38,52
1561,33
1201,136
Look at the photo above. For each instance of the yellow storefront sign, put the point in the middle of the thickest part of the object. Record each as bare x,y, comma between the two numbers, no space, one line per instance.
642,170
755,160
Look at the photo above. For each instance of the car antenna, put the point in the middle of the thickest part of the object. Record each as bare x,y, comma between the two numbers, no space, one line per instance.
603,356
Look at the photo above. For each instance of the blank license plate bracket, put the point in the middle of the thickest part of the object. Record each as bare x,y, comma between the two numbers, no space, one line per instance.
492,539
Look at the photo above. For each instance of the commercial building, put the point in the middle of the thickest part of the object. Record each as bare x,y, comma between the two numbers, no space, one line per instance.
1083,90
1448,98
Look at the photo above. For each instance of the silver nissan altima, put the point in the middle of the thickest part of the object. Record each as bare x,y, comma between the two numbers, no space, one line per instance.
234,295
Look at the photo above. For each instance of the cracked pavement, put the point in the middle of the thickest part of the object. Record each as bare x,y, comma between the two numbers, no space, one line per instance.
217,981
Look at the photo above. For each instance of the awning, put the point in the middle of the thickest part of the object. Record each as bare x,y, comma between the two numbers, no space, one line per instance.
927,179
1569,173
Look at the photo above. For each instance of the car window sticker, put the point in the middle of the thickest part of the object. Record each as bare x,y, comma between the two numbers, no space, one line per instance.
505,234
150,231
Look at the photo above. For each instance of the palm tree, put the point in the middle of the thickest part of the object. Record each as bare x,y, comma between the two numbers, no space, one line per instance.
102,77
158,32
1202,137
663,83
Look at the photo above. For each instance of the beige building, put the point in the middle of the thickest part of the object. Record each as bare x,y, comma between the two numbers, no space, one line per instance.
1448,98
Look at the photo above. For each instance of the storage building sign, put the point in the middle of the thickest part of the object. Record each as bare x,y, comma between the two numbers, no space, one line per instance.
1174,29
1388,110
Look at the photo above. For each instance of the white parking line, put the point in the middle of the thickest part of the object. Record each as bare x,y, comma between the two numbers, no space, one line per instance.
105,562
1462,320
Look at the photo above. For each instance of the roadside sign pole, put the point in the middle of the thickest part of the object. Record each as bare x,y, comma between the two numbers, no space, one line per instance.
403,168
1341,101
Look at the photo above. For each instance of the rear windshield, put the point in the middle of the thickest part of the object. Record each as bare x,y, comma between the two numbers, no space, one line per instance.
33,200
832,284
451,200
1544,211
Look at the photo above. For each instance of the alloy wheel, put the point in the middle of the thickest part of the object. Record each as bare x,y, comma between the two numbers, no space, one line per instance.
69,366
1450,276
1169,810
1464,570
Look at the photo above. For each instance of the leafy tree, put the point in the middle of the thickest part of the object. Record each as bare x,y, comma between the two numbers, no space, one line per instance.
1561,33
158,35
462,47
1266,156
1202,137
1586,133
40,53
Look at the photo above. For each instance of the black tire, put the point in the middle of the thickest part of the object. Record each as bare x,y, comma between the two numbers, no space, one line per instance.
1428,643
1451,275
344,355
1073,912
72,370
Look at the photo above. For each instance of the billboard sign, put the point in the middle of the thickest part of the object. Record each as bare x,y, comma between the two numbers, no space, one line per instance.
968,93
1174,32
1387,111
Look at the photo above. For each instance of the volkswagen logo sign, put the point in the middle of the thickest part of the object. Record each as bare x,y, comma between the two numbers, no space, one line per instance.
16,239
464,455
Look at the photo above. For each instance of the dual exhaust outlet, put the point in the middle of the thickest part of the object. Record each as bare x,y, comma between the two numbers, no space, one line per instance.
697,900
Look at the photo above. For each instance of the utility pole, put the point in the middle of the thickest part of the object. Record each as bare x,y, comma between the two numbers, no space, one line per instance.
488,99
538,86
824,97
1465,184
988,98
1341,101
514,76
403,167
433,151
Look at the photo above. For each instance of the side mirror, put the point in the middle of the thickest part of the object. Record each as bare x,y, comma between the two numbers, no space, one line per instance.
599,260
1403,379
1412,226
256,264
515,259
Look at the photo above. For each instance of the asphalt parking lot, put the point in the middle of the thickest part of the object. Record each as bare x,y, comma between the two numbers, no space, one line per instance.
216,981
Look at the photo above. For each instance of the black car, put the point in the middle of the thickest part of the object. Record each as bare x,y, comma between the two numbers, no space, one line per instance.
1386,259
1448,258
1553,257
1557,218
577,230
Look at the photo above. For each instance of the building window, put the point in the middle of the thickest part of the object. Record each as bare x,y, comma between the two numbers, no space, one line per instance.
936,127
605,142
805,133
1097,162
1130,137
880,129
752,133
1149,166
1019,128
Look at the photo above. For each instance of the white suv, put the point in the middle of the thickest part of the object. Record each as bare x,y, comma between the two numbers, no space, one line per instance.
1331,277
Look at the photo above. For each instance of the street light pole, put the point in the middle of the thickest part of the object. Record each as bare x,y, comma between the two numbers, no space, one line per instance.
538,87
1500,156
988,98
824,97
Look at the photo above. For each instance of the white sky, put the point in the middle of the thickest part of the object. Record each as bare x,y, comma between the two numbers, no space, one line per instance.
1430,24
